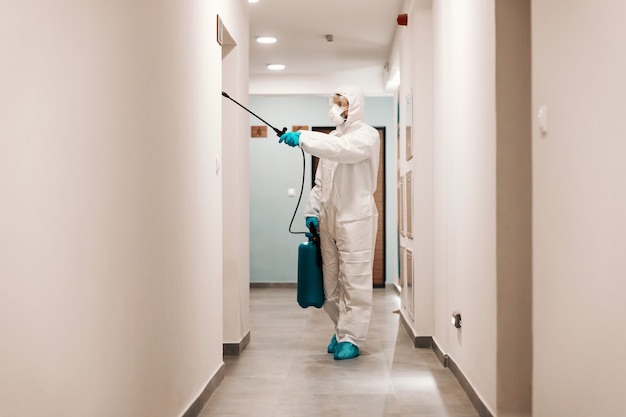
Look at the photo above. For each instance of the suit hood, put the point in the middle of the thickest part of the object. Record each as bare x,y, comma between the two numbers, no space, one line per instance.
356,102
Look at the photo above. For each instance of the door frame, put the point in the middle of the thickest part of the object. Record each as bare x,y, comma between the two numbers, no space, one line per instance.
382,132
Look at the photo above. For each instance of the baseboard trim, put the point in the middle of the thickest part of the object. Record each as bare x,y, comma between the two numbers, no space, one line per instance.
235,349
423,342
442,357
196,407
273,285
469,390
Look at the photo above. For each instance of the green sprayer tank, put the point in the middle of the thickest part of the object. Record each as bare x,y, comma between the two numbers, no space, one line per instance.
310,281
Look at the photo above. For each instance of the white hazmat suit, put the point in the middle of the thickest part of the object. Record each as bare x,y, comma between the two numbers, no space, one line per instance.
343,201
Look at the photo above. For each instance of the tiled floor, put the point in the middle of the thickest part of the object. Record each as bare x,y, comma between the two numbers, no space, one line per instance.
286,372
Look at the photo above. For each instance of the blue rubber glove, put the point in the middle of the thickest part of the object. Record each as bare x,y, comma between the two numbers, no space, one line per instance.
290,138
315,222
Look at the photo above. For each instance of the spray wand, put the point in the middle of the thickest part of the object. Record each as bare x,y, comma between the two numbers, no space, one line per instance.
278,132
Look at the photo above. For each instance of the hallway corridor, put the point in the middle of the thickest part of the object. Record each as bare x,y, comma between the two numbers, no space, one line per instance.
286,372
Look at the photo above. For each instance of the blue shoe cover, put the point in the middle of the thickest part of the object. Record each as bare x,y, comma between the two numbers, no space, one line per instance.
332,345
346,350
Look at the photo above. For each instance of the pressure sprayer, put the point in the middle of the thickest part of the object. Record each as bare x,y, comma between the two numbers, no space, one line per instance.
310,281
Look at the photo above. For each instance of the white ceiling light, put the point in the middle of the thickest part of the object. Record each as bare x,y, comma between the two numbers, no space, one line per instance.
275,67
253,1
266,39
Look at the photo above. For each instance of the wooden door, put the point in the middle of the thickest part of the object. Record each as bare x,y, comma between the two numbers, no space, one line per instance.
379,197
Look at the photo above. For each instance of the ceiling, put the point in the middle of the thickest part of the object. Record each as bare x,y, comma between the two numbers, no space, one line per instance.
362,30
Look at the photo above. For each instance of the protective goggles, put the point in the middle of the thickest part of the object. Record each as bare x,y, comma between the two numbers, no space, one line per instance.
339,100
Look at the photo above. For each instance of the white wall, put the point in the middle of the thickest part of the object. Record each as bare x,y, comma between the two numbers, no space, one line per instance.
416,50
448,61
110,242
465,263
370,79
471,214
578,201
234,165
579,227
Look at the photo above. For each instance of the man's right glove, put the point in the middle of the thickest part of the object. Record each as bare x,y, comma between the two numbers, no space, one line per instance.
290,138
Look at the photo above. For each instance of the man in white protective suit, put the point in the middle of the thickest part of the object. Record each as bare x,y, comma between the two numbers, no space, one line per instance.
342,207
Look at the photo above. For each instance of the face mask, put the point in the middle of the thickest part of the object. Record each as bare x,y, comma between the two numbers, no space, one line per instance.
335,115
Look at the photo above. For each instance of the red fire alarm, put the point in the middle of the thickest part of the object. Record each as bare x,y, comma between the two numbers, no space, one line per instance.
403,19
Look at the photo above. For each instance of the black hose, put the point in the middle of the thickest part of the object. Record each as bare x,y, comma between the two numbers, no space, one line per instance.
299,198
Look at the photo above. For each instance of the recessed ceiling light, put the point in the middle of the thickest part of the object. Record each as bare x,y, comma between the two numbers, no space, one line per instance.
253,1
266,39
275,67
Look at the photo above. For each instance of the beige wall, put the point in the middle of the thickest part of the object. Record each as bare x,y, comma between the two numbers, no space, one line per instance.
110,242
579,201
514,208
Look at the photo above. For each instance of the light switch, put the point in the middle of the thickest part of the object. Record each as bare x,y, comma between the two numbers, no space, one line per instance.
291,192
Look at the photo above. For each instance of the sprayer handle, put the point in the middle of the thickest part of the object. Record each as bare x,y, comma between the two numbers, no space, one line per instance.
280,132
